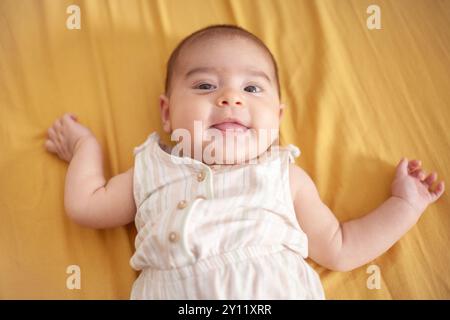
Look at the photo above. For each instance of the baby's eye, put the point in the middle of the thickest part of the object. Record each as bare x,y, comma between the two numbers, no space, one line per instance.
205,86
252,89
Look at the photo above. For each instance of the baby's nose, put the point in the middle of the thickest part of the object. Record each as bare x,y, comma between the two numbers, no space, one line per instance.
229,100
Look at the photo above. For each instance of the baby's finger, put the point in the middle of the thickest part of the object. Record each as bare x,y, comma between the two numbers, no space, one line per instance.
54,138
414,165
70,116
422,175
60,136
432,177
50,146
51,133
419,174
57,124
57,130
437,193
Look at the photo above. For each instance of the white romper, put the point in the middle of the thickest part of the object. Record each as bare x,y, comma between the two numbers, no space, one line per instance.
217,232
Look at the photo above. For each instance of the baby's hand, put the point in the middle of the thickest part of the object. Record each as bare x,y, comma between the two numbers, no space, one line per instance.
65,135
411,185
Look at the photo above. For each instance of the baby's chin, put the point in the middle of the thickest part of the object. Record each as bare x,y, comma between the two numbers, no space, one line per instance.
234,148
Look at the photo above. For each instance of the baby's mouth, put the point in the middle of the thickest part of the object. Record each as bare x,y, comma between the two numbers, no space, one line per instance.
230,126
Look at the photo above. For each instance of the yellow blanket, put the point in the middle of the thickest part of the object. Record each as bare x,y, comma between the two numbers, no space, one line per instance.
358,100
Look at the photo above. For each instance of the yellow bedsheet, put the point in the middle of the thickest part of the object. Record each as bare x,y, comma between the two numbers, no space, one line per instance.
358,101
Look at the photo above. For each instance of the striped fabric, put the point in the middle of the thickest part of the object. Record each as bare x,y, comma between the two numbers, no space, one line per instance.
218,232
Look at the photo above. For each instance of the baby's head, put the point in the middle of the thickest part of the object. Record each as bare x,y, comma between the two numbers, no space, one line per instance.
222,86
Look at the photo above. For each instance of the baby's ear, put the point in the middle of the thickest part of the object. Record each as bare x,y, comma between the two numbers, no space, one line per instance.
165,115
282,107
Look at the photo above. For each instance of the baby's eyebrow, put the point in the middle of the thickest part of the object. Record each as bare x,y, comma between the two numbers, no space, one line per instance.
253,72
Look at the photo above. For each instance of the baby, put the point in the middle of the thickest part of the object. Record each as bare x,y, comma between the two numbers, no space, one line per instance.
228,215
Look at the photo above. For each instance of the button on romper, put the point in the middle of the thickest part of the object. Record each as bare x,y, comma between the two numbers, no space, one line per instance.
226,233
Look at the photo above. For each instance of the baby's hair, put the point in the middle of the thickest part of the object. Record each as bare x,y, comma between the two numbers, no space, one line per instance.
211,32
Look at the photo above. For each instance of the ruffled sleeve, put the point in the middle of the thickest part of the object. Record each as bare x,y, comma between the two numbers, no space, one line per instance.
150,139
294,152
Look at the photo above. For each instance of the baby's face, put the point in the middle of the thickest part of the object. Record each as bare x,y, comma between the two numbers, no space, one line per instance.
224,90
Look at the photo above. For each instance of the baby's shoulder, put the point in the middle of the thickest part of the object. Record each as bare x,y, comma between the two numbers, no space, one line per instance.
299,180
130,171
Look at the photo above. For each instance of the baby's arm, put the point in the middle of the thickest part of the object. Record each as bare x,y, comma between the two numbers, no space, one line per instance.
88,199
346,246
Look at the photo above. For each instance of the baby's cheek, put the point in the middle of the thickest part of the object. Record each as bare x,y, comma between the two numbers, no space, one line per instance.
266,118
